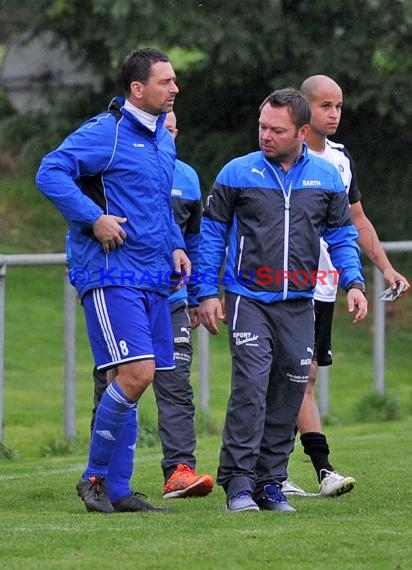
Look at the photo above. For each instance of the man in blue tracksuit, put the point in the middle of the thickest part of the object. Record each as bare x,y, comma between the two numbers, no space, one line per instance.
268,210
174,394
111,179
173,390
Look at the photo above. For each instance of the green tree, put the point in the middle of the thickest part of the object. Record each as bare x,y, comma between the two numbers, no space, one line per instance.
228,56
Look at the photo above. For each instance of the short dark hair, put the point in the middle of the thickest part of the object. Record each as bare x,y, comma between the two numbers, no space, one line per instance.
298,104
137,64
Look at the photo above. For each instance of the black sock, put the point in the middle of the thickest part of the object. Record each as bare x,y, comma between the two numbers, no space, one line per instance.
316,446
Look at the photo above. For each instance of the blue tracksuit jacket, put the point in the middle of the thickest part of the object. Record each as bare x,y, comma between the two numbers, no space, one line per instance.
269,222
113,164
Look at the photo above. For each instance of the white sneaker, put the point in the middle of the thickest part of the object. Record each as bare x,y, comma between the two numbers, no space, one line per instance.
290,488
334,485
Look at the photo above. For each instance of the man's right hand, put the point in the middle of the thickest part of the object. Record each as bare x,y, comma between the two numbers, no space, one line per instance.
210,310
356,301
109,232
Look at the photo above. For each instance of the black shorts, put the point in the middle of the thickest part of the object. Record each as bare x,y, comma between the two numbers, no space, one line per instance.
322,353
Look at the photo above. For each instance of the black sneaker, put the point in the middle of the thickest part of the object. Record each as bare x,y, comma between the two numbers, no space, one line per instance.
92,491
134,503
274,500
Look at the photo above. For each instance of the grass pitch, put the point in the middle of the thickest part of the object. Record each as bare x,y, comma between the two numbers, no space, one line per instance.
44,525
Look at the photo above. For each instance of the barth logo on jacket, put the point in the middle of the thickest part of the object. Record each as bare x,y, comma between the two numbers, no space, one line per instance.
245,338
176,192
316,183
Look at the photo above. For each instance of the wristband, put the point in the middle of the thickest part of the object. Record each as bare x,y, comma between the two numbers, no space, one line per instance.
357,285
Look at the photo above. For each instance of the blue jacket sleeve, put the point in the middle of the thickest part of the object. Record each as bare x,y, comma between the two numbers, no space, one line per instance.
192,245
178,241
85,152
192,239
212,252
187,210
344,253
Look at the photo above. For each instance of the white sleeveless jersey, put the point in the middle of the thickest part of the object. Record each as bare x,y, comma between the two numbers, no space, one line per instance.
326,287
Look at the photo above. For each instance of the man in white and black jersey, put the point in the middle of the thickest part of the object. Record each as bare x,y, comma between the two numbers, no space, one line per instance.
326,99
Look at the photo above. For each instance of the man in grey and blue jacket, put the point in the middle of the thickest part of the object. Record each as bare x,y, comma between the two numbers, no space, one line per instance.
264,219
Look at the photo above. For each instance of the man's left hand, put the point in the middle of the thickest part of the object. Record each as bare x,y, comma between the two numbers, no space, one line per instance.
392,277
182,266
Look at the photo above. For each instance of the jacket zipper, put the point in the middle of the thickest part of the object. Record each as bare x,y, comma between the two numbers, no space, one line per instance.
286,197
